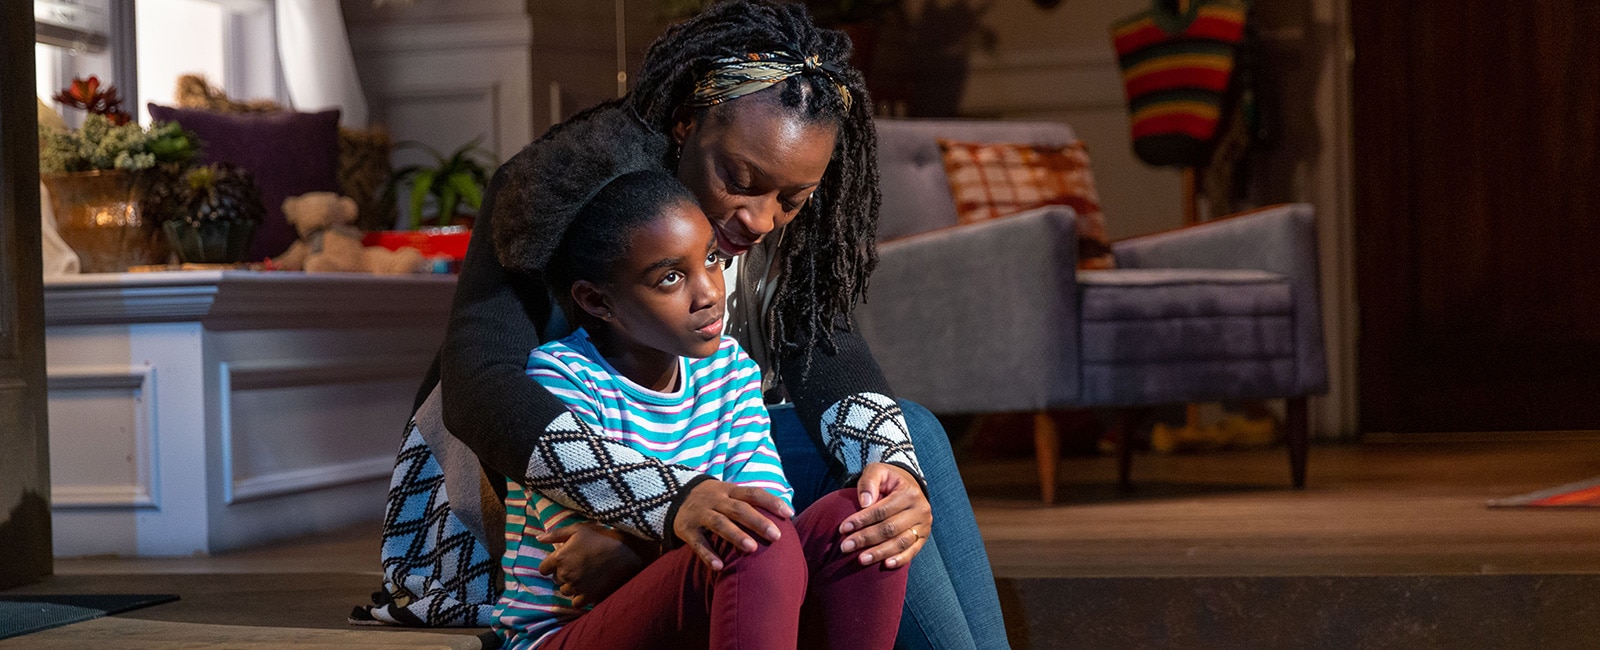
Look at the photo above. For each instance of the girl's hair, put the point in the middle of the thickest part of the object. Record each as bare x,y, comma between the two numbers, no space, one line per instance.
540,192
827,252
600,234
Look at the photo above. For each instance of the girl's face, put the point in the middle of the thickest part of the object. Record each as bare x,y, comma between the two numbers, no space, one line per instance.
666,294
752,165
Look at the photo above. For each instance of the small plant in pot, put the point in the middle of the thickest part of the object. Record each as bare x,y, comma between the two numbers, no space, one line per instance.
221,207
452,182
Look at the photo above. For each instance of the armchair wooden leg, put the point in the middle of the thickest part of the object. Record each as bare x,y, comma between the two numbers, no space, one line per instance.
1047,451
1297,433
1127,422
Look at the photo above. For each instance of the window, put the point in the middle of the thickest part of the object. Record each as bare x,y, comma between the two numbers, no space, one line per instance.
145,45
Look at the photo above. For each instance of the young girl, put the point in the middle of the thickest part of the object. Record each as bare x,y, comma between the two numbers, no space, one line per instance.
638,270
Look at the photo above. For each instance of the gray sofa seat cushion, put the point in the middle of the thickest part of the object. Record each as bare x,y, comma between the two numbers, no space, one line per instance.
1157,293
1153,336
1281,239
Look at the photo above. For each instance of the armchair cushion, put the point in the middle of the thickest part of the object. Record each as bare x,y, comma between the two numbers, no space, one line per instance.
1174,335
1177,293
1279,239
916,193
990,180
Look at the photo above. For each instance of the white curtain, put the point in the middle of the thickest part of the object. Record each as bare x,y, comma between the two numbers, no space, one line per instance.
58,257
318,67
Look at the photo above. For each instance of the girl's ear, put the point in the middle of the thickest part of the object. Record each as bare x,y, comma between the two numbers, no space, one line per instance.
592,299
683,124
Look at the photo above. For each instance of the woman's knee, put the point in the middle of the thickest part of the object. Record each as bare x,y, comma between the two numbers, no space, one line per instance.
822,518
926,430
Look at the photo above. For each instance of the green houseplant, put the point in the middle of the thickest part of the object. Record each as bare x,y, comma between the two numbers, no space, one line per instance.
451,182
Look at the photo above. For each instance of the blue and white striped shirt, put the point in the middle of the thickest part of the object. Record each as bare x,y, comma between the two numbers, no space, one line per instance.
715,421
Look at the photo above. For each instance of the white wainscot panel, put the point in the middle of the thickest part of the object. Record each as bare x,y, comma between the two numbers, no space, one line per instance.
102,426
293,427
251,407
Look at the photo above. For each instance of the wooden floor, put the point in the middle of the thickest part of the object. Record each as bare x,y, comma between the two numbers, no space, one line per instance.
1399,507
1392,506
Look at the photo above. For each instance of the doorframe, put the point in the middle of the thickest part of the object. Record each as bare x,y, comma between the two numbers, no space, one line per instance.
1328,185
25,482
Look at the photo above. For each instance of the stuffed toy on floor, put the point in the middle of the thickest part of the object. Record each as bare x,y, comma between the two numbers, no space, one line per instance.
330,243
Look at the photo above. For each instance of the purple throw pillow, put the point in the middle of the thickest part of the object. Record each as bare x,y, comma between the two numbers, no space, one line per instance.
289,153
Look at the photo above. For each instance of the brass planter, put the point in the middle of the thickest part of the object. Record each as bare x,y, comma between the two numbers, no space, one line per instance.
97,214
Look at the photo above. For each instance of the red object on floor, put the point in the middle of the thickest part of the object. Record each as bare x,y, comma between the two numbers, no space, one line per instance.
449,241
1583,497
1583,494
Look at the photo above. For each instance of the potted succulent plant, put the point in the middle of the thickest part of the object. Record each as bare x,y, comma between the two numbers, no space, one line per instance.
221,207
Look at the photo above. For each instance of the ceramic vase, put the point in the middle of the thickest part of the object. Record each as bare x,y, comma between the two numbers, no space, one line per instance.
211,242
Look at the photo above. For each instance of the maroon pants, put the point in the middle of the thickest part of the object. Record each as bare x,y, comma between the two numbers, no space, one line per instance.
797,592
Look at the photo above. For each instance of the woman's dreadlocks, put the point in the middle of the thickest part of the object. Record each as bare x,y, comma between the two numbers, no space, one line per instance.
827,252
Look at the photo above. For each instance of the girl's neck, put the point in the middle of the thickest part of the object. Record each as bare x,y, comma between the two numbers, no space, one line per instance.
645,366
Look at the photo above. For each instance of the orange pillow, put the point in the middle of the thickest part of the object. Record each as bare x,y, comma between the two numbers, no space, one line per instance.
989,180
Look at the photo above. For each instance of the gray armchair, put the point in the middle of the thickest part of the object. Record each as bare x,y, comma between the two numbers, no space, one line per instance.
995,317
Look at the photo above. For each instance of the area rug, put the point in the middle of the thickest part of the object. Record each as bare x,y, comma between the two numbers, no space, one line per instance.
21,614
1583,494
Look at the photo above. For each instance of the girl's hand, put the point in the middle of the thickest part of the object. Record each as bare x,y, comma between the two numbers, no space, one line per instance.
590,561
727,510
895,517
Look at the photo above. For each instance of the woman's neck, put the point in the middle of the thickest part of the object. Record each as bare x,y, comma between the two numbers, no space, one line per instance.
645,366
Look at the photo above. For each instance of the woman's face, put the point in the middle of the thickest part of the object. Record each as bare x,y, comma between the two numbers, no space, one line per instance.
752,165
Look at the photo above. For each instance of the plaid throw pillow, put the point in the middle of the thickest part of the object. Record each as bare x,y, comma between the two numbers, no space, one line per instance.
989,180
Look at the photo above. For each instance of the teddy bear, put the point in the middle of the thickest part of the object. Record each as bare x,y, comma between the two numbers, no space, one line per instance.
329,243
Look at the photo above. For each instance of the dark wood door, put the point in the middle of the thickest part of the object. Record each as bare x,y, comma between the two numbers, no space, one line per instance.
24,465
1477,195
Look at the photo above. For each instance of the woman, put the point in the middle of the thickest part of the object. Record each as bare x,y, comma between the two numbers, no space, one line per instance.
760,115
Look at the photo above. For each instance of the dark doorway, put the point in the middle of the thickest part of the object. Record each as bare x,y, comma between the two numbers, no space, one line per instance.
1477,201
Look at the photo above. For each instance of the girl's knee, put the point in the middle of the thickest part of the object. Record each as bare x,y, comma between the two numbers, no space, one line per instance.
786,551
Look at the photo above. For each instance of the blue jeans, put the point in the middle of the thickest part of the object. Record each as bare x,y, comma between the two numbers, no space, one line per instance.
950,595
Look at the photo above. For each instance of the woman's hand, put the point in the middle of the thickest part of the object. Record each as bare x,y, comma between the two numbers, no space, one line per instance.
590,561
894,520
727,510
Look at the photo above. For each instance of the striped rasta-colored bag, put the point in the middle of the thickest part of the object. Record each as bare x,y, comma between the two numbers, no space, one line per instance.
1176,67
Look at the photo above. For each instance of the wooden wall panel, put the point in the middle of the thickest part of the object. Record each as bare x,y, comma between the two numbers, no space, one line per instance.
1477,214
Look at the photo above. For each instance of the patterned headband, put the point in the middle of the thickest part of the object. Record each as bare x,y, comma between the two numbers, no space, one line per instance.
737,76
